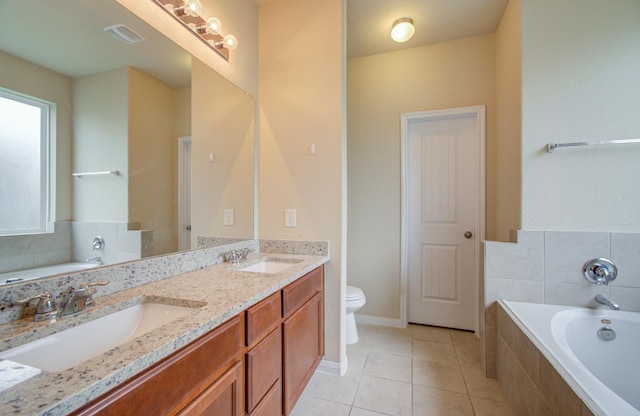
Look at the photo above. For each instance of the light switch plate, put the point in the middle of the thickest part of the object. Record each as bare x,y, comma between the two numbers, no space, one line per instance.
289,217
228,217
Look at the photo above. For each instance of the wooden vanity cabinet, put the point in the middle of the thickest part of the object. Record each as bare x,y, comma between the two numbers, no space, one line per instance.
202,378
302,334
263,359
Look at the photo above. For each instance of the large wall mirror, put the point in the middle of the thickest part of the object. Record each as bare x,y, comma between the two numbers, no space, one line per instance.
154,150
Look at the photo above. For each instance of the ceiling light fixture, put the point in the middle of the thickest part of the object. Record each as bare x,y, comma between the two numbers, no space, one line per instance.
402,29
209,30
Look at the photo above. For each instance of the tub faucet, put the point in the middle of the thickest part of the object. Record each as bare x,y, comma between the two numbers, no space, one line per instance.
96,259
604,301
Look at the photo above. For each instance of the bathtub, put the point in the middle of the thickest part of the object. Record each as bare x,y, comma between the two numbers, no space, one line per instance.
603,374
28,274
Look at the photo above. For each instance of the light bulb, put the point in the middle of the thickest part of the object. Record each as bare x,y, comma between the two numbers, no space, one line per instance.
230,42
402,30
192,7
213,26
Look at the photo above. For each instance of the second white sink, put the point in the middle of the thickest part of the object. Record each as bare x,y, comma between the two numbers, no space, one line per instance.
270,266
78,344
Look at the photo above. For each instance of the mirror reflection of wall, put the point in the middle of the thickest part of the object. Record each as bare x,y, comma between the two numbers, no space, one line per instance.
122,109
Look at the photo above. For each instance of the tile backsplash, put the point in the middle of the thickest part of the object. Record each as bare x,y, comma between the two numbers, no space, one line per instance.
546,267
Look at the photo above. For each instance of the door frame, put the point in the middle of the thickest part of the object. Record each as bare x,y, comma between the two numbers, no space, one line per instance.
406,119
183,164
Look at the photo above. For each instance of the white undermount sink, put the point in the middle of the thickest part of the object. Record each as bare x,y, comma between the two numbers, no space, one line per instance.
75,345
274,265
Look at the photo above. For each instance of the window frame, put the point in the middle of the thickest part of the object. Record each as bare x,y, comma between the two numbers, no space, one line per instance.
47,161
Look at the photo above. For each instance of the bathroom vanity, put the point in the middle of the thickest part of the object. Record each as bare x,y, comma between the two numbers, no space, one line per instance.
249,351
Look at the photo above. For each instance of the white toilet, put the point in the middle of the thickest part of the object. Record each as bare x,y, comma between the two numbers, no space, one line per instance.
355,301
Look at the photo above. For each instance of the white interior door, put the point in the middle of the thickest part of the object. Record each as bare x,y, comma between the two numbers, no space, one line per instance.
184,193
443,222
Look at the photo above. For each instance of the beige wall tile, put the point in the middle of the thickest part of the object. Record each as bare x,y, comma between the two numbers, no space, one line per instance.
566,253
624,253
557,393
582,294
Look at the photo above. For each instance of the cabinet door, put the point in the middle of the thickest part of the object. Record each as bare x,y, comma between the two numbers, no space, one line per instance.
264,368
303,347
222,398
271,405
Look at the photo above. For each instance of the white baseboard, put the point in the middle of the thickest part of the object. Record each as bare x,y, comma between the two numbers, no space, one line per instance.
376,320
333,368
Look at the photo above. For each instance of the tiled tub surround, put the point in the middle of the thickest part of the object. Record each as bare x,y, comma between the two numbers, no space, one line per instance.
225,291
558,349
72,242
546,267
529,366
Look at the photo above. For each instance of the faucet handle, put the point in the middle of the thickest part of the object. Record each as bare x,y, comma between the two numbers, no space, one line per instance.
46,307
88,288
91,284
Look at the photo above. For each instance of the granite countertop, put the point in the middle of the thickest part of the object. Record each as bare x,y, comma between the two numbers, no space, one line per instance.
225,290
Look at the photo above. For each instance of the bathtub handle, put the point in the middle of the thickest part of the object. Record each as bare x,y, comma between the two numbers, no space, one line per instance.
600,271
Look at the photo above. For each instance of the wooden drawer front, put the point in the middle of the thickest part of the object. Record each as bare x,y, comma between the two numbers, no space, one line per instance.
264,367
262,317
298,292
271,405
222,398
178,379
302,348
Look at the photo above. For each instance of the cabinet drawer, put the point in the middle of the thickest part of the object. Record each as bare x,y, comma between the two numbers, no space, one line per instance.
262,317
264,367
271,405
298,292
177,379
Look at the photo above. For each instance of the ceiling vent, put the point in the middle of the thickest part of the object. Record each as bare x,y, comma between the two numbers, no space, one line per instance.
124,34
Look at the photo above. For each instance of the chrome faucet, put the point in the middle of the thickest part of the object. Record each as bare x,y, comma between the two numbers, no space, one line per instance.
45,309
79,299
606,302
236,256
96,259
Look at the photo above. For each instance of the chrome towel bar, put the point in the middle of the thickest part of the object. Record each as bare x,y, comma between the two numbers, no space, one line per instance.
106,172
553,146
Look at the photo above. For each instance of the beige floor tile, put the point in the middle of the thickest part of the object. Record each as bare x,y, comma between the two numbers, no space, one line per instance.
382,343
363,412
438,375
384,396
479,385
393,367
430,333
434,402
310,406
356,360
468,353
334,388
487,407
435,351
463,337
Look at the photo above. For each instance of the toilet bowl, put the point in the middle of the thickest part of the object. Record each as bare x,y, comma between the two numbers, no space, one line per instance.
355,301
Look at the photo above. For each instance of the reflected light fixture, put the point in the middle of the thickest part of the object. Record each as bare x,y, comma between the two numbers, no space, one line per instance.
209,30
402,29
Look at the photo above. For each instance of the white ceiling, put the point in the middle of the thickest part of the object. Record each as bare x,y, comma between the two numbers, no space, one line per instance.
369,22
67,36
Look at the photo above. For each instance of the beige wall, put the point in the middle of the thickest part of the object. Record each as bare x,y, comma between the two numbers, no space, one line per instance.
239,17
580,66
222,126
100,119
380,88
508,138
152,148
301,103
25,77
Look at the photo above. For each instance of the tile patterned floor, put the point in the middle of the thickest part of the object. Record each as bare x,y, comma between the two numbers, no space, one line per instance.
418,371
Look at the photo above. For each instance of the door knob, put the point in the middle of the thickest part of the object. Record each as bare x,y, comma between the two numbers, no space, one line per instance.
188,227
468,234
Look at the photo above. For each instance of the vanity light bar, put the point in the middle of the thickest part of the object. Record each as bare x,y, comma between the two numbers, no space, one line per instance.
187,12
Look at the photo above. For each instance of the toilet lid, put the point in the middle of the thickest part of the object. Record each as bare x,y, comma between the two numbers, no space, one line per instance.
354,293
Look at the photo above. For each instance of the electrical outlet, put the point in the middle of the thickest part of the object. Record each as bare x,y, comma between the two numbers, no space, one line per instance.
228,217
289,217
